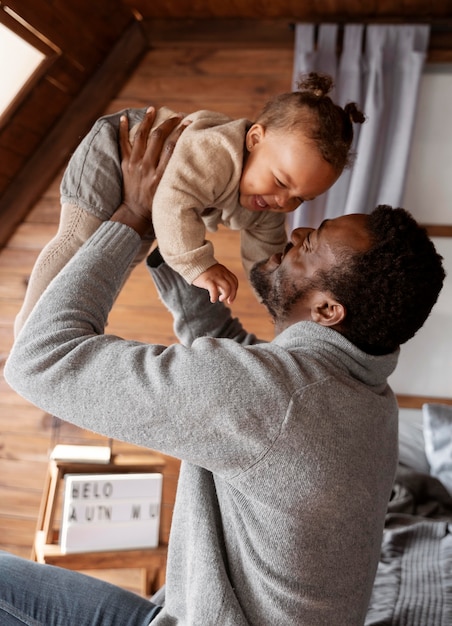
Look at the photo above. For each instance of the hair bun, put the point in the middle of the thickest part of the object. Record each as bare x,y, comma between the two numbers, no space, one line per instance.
354,113
319,85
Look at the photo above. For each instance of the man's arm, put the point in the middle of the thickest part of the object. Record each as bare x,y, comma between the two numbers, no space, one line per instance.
150,395
194,315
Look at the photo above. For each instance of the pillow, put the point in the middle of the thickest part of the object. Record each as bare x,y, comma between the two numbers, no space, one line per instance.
411,441
437,421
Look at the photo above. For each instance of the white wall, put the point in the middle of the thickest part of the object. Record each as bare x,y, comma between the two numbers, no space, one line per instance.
428,194
425,366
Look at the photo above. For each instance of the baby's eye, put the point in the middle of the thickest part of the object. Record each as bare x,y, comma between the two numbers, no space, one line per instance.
280,183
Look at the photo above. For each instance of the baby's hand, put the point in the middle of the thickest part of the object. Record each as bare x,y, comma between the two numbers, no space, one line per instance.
220,283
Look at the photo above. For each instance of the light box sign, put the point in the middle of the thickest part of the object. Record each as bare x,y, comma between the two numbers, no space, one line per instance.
110,512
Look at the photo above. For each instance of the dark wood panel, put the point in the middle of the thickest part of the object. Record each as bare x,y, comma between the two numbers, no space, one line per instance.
232,33
439,230
76,27
68,73
279,32
186,61
202,90
83,34
312,10
18,139
67,127
38,118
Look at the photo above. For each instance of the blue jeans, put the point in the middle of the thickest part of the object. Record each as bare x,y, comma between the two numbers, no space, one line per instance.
44,595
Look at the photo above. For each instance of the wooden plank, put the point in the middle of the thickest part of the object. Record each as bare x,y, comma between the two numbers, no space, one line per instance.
246,33
416,402
46,209
16,531
17,139
31,110
64,24
328,10
16,419
232,33
191,61
203,91
13,161
32,236
27,447
439,230
23,504
107,18
189,102
69,74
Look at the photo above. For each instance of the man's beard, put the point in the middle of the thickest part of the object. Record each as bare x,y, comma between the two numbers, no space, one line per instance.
277,290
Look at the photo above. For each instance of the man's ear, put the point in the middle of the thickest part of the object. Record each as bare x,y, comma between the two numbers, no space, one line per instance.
326,310
254,136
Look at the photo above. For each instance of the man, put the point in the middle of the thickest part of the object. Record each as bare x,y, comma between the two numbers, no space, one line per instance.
289,448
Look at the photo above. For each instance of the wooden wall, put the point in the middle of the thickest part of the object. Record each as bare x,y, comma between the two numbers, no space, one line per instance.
78,37
93,46
305,10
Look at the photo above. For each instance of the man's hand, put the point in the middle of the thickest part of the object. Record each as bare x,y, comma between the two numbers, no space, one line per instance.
143,164
220,283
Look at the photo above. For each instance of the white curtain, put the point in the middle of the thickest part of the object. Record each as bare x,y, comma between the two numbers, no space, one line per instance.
379,68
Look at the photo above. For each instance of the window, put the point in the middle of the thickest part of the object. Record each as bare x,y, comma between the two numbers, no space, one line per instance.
18,62
25,54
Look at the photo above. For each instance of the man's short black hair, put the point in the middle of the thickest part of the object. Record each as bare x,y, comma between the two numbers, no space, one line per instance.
389,290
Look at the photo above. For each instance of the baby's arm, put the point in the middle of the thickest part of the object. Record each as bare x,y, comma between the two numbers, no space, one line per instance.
220,283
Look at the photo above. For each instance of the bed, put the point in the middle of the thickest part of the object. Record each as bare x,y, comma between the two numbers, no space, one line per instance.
413,585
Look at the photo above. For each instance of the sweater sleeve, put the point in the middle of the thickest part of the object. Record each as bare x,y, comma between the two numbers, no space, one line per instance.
193,313
180,400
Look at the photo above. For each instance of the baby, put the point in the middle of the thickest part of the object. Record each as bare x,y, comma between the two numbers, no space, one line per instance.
243,175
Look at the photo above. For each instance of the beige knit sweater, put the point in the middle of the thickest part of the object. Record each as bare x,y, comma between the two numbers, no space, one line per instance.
200,190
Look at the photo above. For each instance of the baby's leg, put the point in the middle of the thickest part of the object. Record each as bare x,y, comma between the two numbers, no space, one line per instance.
91,190
76,226
93,177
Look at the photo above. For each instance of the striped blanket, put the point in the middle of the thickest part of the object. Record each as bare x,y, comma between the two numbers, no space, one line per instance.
413,585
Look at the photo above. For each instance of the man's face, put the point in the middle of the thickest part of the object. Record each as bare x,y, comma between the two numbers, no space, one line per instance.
286,280
281,171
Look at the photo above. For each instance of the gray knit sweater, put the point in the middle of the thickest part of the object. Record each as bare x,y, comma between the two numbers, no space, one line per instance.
289,448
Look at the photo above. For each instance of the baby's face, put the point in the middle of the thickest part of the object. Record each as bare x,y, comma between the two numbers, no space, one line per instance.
281,171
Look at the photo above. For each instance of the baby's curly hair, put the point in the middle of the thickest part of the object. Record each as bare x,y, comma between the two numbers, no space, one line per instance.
389,290
311,111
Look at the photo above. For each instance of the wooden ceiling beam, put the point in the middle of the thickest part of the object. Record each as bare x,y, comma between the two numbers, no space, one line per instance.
278,33
308,11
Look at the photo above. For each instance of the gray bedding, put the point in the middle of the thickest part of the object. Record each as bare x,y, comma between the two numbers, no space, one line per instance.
413,585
